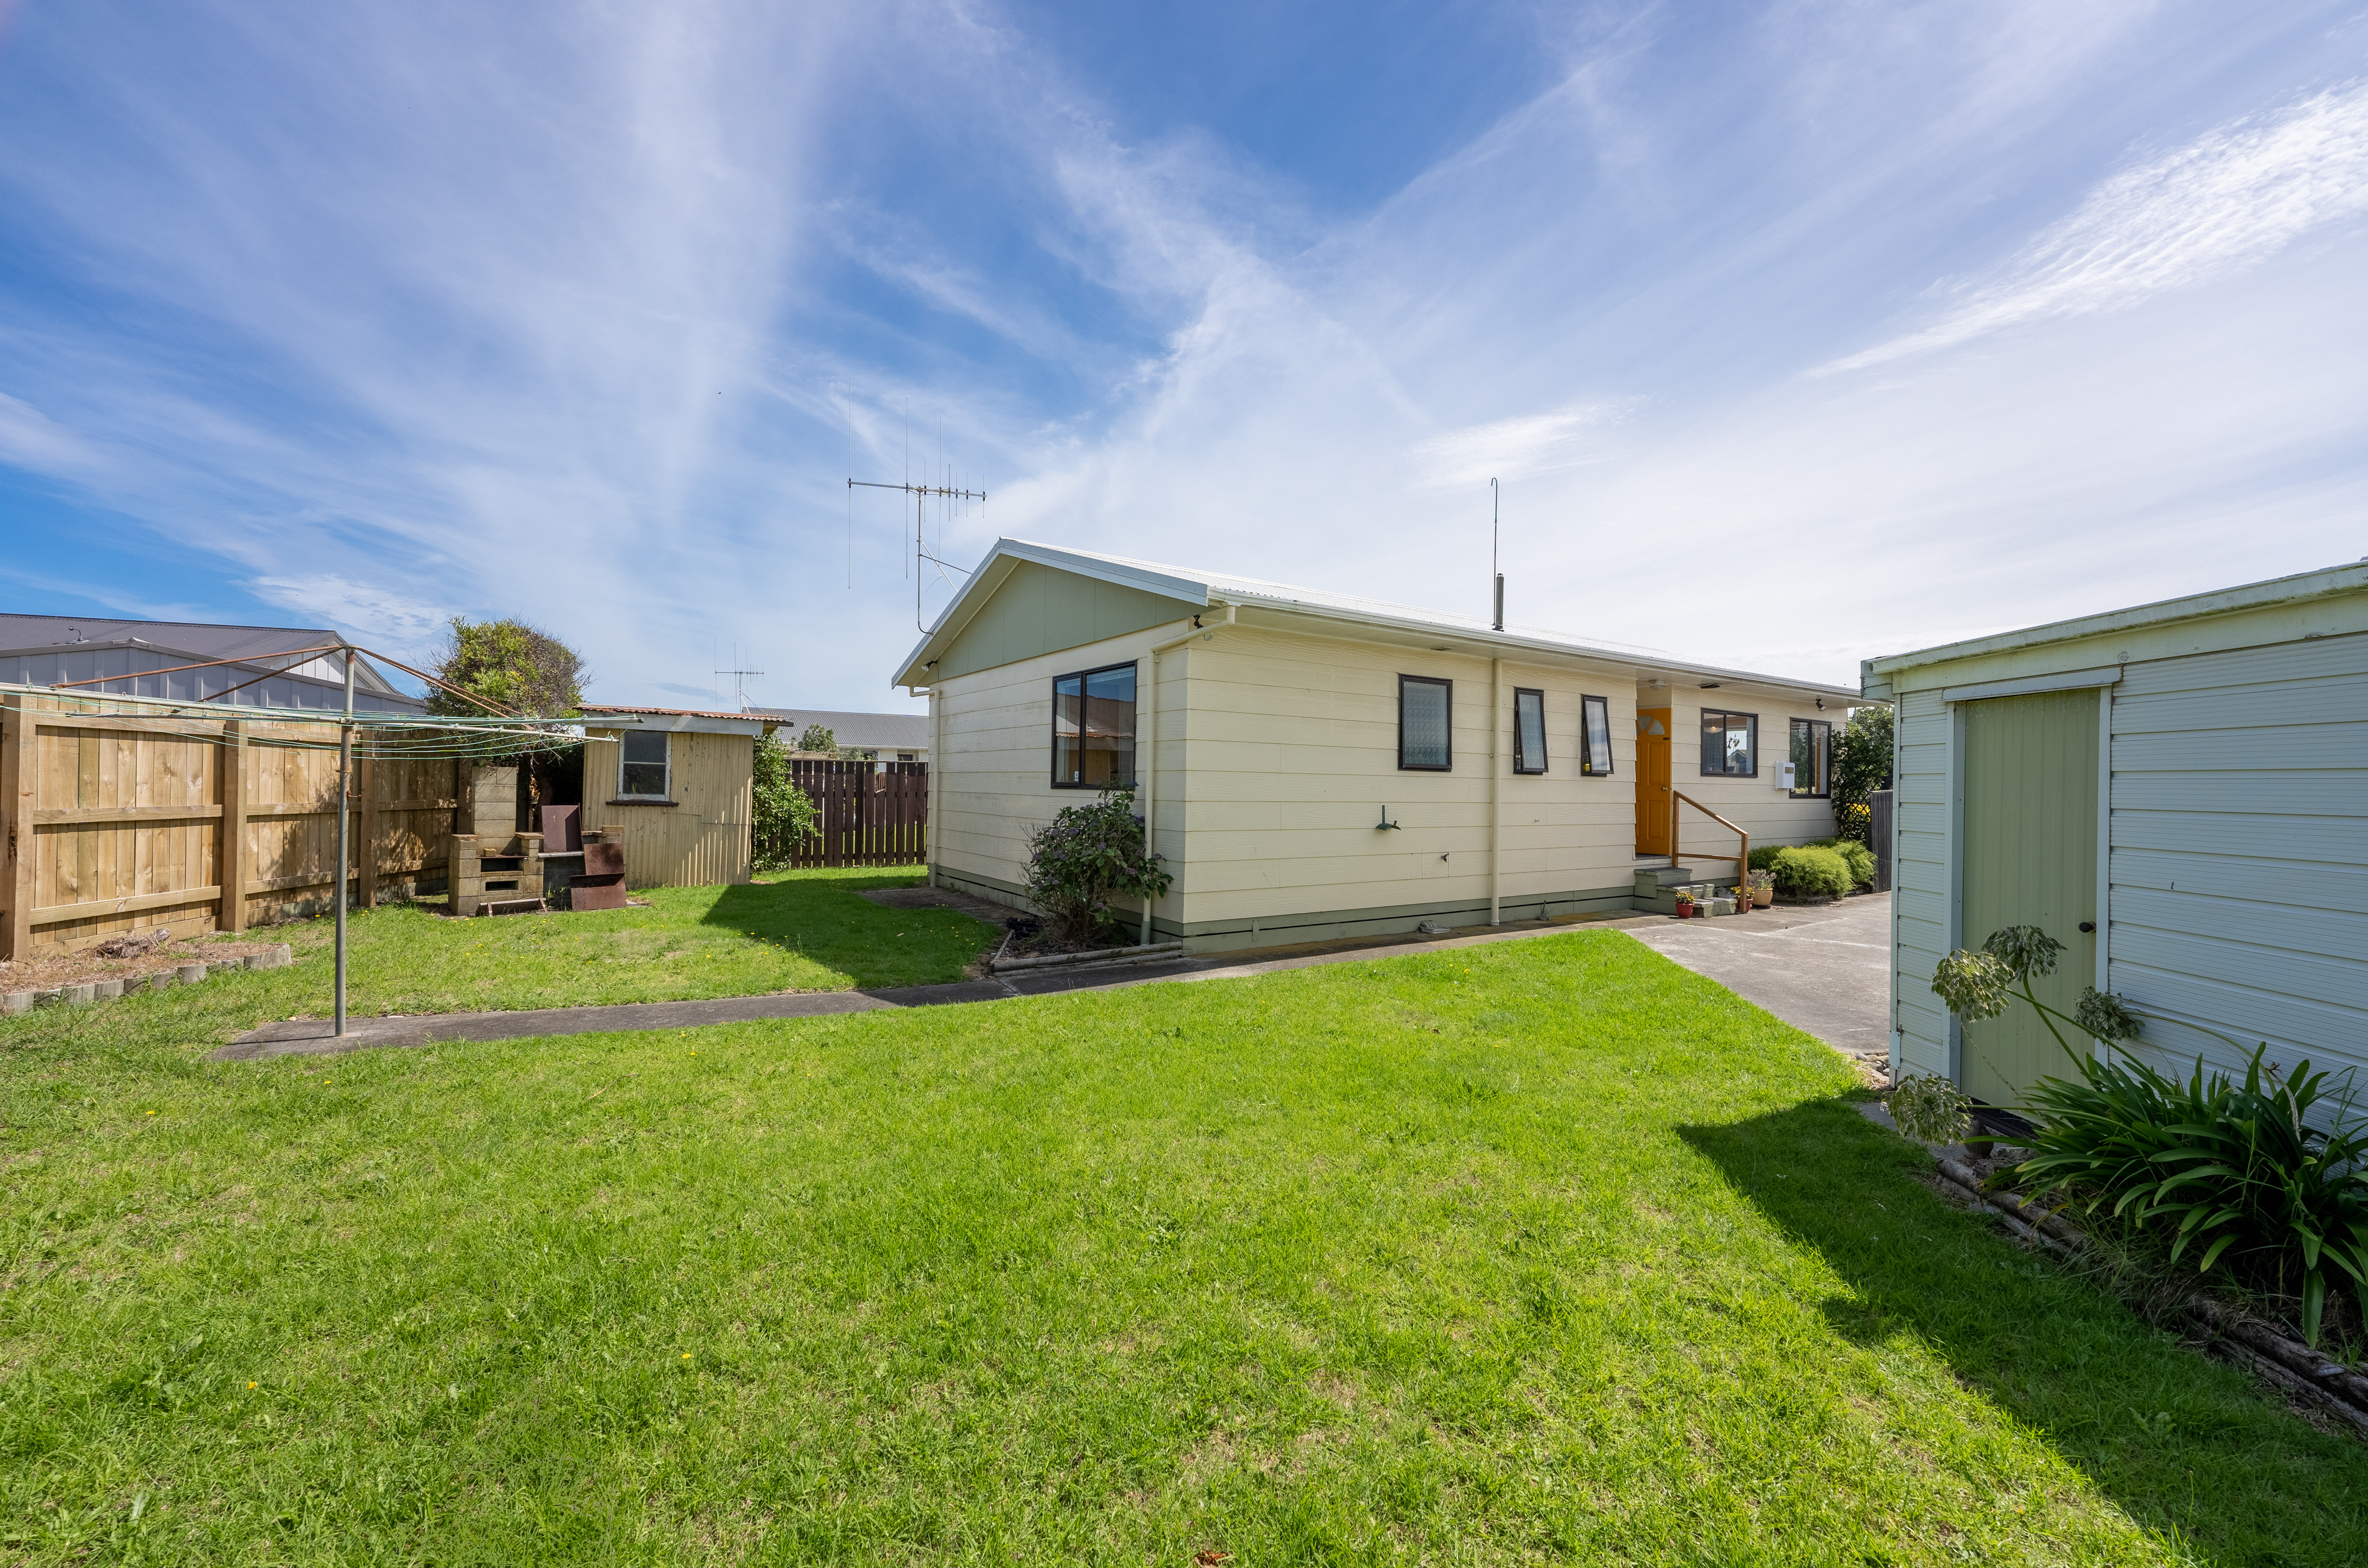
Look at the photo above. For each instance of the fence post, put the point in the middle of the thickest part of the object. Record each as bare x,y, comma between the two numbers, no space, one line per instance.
230,859
366,834
18,765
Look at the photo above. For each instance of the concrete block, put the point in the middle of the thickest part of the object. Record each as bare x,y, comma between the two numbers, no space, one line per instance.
106,990
190,974
257,960
49,998
282,956
75,995
162,980
14,1002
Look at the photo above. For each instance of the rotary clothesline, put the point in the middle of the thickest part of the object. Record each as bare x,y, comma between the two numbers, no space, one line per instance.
382,735
377,736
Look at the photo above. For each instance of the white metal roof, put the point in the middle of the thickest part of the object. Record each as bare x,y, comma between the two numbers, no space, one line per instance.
2351,578
1309,609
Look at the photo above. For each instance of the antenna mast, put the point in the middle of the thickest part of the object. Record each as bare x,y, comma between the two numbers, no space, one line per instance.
920,494
739,680
1493,496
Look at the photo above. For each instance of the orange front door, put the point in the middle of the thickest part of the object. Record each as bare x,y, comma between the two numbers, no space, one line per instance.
1652,781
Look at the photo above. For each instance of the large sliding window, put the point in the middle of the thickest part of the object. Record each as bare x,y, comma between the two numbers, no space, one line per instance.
1426,713
1093,729
1529,730
1813,760
1595,736
1730,744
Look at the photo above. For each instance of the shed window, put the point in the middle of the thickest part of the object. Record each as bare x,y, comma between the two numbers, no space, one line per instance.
642,769
1529,730
1730,744
1093,729
1595,736
1425,708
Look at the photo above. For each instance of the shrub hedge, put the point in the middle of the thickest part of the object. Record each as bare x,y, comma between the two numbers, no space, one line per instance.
1809,871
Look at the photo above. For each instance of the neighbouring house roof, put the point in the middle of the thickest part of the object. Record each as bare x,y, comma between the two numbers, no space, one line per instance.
858,732
132,658
1314,610
606,715
2271,594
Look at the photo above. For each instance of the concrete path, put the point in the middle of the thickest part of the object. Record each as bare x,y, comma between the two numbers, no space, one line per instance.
1821,967
312,1037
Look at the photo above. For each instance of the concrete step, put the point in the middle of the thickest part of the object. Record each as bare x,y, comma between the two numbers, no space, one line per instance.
1651,878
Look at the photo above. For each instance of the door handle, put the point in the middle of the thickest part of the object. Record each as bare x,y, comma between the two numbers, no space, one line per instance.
2088,928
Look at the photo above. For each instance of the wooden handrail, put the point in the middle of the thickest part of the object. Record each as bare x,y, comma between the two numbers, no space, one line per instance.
1742,861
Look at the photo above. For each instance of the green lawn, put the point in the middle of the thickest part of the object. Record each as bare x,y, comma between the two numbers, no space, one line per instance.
1541,1251
798,931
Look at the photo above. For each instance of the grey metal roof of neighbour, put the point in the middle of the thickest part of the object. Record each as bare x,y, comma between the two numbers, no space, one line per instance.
125,656
864,731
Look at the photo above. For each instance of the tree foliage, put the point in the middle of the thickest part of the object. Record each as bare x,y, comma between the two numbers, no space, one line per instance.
1090,854
817,737
786,815
1861,766
508,664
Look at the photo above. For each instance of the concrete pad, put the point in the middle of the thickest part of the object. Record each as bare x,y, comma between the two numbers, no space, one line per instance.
1824,969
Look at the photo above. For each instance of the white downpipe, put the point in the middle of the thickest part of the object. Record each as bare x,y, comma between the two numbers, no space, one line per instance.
1149,773
935,777
1495,784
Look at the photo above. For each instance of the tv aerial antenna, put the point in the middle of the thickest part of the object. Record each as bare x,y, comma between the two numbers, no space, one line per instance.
739,680
921,494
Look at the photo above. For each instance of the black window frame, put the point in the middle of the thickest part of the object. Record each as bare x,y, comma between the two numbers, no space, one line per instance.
1811,726
1520,758
1406,767
1590,764
1081,678
1752,726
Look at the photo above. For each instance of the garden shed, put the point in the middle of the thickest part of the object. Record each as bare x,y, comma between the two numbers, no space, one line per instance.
1312,766
2178,793
679,785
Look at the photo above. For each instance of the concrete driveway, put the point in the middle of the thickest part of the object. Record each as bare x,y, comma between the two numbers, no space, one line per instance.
1821,967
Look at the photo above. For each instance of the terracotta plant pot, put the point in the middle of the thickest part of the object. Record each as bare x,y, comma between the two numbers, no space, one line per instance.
1763,898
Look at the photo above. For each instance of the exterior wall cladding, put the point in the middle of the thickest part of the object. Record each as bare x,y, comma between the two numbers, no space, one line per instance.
1276,756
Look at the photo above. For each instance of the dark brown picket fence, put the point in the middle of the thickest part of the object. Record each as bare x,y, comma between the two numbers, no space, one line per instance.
872,813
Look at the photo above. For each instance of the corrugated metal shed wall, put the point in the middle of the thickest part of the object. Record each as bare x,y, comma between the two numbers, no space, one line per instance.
700,841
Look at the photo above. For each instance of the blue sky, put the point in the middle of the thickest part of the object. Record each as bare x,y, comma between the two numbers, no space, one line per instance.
1797,332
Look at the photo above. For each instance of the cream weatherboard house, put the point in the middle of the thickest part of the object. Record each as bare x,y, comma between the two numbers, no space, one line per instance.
1312,765
2178,793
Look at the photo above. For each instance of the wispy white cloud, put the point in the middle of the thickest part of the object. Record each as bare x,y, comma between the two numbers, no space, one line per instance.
31,440
370,612
2226,201
1519,448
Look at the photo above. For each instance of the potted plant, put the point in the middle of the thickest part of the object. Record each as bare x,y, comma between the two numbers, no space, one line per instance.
1763,890
1685,903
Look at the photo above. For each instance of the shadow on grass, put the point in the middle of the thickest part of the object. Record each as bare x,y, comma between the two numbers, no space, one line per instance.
2182,1444
798,901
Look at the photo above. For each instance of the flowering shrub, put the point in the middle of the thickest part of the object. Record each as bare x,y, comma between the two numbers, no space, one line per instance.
2236,1172
1930,1109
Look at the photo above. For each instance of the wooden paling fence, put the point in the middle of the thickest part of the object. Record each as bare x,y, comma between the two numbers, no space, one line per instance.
872,813
118,819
